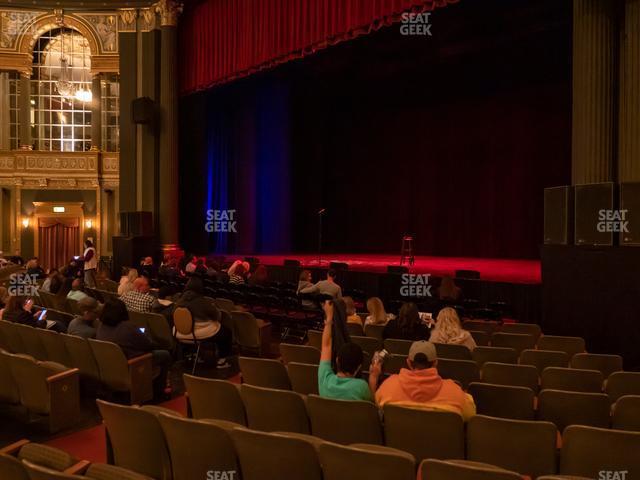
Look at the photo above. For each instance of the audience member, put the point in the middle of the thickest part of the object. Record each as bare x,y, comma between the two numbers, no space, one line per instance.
449,330
4,297
63,291
191,266
237,275
139,299
34,270
448,290
350,307
126,281
420,385
169,267
260,276
20,310
84,325
147,268
115,327
76,292
408,325
304,280
377,313
343,385
206,317
47,284
326,287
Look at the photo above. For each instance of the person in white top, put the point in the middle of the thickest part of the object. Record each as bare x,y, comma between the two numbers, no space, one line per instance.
90,264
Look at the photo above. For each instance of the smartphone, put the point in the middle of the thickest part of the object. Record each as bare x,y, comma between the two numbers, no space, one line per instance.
76,257
43,312
142,329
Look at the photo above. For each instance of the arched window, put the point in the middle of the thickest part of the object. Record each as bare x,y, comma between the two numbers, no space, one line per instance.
61,91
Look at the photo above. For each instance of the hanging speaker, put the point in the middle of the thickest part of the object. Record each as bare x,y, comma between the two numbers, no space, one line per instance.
630,208
558,213
593,202
143,111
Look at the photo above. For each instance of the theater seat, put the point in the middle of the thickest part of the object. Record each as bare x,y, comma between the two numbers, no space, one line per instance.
542,359
569,345
133,376
481,355
136,439
365,461
626,413
344,421
275,456
452,351
272,410
463,371
397,346
197,447
264,372
571,379
511,444
299,354
446,470
216,399
8,386
587,451
53,344
523,328
424,433
607,364
47,390
503,401
303,378
96,471
517,341
511,374
574,408
622,383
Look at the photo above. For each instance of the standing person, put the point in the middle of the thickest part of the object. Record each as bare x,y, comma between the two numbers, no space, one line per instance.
90,264
326,287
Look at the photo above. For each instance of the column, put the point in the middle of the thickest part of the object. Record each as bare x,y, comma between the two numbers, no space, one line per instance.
629,116
96,113
594,45
128,53
168,159
26,143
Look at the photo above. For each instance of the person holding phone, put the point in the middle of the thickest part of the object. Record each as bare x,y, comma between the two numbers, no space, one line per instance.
21,310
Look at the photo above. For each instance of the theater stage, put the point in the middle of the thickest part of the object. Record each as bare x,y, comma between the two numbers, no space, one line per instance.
491,269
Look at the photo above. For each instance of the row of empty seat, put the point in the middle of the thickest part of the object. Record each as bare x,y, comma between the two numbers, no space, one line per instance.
529,448
99,364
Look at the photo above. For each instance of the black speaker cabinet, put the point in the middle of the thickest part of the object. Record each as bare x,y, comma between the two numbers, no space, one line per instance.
558,215
630,208
143,111
128,251
288,262
135,224
397,269
593,202
338,266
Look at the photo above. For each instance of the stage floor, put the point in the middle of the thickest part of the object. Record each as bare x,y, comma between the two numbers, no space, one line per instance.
491,269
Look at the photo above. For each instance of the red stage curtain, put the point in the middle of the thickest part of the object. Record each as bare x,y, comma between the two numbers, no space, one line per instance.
221,40
58,241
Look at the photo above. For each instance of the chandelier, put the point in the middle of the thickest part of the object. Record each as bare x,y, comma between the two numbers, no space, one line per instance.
64,84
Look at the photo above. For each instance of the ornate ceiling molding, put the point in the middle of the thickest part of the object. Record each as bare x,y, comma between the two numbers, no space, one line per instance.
127,20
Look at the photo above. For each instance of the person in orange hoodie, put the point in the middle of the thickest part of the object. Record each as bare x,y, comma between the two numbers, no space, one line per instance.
419,385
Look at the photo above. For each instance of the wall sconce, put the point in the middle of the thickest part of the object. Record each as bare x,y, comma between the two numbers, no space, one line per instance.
25,222
88,223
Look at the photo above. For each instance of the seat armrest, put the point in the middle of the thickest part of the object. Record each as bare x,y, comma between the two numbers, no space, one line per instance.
14,447
79,468
63,375
141,358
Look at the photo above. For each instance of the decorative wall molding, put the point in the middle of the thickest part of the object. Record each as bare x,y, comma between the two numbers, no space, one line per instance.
59,170
169,11
127,19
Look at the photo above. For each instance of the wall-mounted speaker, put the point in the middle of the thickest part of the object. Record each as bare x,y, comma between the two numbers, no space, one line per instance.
558,215
135,224
143,111
630,207
591,200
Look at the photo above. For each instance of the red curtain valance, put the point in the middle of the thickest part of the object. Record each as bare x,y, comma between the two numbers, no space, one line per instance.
221,40
69,222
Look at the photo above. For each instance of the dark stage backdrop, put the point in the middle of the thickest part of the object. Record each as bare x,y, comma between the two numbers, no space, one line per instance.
451,138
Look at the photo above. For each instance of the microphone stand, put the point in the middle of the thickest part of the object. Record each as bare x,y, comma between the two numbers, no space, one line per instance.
320,214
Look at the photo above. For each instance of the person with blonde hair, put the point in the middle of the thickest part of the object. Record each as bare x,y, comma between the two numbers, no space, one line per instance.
377,314
449,330
126,282
352,316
